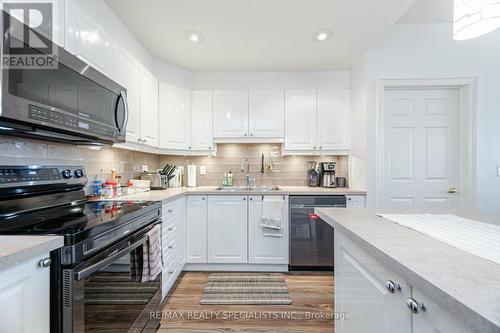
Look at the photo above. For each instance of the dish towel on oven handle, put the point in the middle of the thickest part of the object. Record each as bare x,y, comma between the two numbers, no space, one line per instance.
152,257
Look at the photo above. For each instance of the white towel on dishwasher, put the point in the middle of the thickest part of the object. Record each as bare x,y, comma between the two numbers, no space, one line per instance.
272,215
478,238
152,258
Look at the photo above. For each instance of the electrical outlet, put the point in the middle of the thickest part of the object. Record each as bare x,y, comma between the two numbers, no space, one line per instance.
144,168
203,170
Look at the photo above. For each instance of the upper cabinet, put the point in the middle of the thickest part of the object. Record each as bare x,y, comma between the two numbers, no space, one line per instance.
201,124
148,107
266,114
230,114
317,121
175,118
127,74
86,39
300,120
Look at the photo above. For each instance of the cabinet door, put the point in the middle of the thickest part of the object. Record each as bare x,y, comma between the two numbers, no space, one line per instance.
355,201
127,73
230,114
148,107
333,119
300,120
175,118
201,124
181,232
227,229
262,248
88,40
361,292
25,297
266,113
196,224
434,319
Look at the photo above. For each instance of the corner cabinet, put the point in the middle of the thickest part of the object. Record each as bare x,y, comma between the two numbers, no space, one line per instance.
262,248
375,298
148,107
227,229
175,118
25,297
317,121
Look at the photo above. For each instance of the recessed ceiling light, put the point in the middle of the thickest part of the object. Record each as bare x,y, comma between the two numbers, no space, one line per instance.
322,35
194,36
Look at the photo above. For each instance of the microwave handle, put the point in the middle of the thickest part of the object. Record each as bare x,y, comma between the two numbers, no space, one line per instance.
84,273
123,97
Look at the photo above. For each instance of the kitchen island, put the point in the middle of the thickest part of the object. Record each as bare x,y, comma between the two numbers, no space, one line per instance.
390,278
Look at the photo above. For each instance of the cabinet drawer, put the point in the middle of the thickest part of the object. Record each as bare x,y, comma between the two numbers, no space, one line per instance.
168,231
169,248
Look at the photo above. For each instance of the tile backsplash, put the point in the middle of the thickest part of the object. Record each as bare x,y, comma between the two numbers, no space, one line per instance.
97,163
287,171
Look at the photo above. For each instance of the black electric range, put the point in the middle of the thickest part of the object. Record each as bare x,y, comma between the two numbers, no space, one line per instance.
103,242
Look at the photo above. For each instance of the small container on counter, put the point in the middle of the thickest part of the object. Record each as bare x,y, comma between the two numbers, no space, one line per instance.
98,188
110,190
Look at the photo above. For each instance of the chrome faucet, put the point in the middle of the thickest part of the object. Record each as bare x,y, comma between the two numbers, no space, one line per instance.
245,167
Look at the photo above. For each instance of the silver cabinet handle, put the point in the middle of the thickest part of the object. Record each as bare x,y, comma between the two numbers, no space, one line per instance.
251,134
203,198
246,134
170,247
314,147
453,190
45,262
251,199
209,148
170,211
244,199
170,229
414,306
392,287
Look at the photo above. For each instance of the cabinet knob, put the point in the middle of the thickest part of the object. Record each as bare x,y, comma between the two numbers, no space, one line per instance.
251,134
170,229
244,199
392,286
414,306
209,148
203,198
189,147
45,262
320,147
170,211
246,134
170,247
251,199
314,147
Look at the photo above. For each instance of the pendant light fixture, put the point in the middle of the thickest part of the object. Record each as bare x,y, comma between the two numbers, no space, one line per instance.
474,18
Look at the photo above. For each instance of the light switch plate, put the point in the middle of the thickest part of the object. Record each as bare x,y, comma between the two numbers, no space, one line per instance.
203,170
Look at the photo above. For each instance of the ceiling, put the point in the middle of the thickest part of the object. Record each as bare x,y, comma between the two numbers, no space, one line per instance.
258,35
428,11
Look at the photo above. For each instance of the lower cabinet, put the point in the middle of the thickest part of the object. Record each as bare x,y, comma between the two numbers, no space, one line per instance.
196,223
264,248
25,297
376,299
227,229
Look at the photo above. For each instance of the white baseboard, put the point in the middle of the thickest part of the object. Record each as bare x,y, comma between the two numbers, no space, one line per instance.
235,268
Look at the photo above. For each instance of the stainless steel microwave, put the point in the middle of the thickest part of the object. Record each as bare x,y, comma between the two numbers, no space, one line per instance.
70,102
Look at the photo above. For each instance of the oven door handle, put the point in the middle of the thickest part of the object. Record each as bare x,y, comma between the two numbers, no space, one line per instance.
86,272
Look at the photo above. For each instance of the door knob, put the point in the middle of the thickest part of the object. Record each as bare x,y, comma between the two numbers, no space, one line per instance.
453,190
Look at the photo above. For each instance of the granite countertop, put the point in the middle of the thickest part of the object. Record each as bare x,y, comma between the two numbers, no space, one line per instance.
18,249
465,285
174,193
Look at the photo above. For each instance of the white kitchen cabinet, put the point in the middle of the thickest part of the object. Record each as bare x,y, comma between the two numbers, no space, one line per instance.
266,114
148,107
201,124
25,297
196,224
230,113
175,118
300,120
88,40
434,318
355,201
361,290
127,74
227,229
264,249
333,120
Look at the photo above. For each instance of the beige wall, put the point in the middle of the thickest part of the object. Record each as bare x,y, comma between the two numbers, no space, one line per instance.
288,170
18,151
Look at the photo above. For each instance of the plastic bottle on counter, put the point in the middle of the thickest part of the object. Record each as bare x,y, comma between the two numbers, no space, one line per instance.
224,180
230,178
98,188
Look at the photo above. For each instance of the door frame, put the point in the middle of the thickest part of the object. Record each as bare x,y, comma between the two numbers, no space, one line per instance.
467,106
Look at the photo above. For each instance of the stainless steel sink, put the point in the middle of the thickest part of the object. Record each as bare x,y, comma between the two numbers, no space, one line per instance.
248,188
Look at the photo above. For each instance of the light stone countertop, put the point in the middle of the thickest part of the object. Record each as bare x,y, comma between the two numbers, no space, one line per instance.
465,285
18,249
174,193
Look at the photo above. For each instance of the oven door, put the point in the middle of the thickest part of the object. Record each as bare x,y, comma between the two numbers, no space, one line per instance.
105,294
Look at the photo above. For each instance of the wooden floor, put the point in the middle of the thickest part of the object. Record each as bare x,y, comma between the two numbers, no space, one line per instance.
312,294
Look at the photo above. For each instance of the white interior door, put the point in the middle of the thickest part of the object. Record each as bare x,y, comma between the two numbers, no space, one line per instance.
420,149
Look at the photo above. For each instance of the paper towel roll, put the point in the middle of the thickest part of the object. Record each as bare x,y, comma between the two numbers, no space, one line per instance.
191,173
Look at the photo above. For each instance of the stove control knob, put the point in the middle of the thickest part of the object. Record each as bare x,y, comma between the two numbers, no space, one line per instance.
66,174
78,173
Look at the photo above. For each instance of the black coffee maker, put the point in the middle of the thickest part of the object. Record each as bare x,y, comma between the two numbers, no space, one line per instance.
313,174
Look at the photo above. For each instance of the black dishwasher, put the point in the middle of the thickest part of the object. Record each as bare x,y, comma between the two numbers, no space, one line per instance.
311,238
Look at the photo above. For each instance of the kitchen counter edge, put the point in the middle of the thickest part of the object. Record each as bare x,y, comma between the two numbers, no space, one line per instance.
18,249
